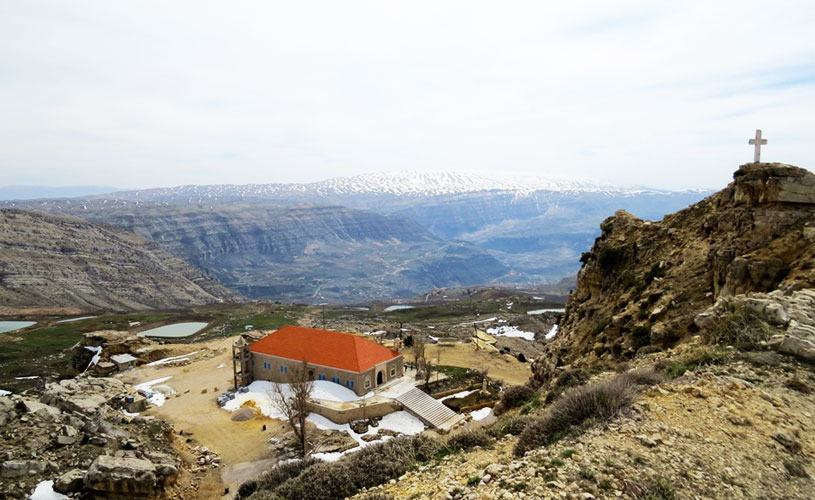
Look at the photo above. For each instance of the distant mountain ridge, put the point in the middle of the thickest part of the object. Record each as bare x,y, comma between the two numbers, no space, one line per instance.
499,231
41,192
413,184
302,254
56,261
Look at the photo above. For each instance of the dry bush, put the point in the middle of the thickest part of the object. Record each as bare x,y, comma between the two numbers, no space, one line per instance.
276,476
571,378
738,326
371,466
601,400
516,395
644,376
691,361
468,439
510,425
376,496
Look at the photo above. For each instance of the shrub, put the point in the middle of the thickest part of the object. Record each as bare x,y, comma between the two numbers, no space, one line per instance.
376,496
521,357
510,425
276,476
408,342
571,378
658,489
371,466
738,326
795,468
799,385
599,401
468,439
609,257
641,336
516,395
473,480
691,361
655,272
644,376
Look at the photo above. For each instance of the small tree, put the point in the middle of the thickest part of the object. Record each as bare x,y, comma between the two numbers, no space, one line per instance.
293,403
424,368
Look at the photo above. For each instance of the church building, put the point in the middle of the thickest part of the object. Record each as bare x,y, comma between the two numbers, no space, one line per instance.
349,360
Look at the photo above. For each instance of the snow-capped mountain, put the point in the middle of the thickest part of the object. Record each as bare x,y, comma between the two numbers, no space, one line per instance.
394,184
509,229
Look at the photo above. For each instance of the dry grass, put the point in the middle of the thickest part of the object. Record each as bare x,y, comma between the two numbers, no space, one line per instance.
737,326
598,401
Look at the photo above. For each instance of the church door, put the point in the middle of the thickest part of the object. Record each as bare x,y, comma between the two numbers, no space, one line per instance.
379,378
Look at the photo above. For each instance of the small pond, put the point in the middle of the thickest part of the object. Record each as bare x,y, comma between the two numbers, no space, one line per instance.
397,308
10,326
175,331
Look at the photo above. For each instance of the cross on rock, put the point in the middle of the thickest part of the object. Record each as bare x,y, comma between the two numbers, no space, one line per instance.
757,142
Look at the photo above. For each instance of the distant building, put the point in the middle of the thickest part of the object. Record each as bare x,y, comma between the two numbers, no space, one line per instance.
123,361
342,358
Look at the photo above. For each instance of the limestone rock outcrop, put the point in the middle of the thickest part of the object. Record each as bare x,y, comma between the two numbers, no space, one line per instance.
644,282
793,315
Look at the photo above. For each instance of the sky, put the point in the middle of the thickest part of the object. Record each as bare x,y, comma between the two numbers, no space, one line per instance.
156,93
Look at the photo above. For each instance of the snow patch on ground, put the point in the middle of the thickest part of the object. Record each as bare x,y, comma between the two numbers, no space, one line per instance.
95,359
398,308
488,320
378,332
31,377
45,491
510,331
462,394
261,393
221,365
180,357
541,311
4,392
551,333
400,421
154,397
481,414
71,320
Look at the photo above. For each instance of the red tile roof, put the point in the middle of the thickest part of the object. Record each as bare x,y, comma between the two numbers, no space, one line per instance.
322,347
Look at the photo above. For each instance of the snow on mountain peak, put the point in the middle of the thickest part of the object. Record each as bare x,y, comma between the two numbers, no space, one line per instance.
439,183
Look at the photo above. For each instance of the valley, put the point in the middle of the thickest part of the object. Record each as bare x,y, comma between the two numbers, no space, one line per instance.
370,237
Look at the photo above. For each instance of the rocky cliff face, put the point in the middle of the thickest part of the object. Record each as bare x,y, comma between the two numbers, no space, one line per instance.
54,261
643,283
300,253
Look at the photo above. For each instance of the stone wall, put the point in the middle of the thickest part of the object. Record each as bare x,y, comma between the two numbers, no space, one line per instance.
345,413
274,374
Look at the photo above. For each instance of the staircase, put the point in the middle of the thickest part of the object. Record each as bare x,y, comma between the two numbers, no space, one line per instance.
429,410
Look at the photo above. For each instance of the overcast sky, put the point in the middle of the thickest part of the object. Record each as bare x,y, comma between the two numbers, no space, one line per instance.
142,94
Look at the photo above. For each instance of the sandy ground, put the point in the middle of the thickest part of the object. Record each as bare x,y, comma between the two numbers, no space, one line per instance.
501,367
192,411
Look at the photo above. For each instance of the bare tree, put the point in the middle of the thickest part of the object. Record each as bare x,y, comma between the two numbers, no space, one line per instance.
292,401
424,367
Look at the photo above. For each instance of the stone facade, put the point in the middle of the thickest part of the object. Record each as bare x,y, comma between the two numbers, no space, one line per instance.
259,366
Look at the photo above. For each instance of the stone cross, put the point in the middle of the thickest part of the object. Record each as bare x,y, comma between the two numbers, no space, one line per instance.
758,142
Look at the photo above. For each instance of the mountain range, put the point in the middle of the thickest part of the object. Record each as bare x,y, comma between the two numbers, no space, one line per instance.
372,236
56,261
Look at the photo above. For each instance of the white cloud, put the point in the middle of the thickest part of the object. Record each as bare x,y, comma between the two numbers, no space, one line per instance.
166,93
